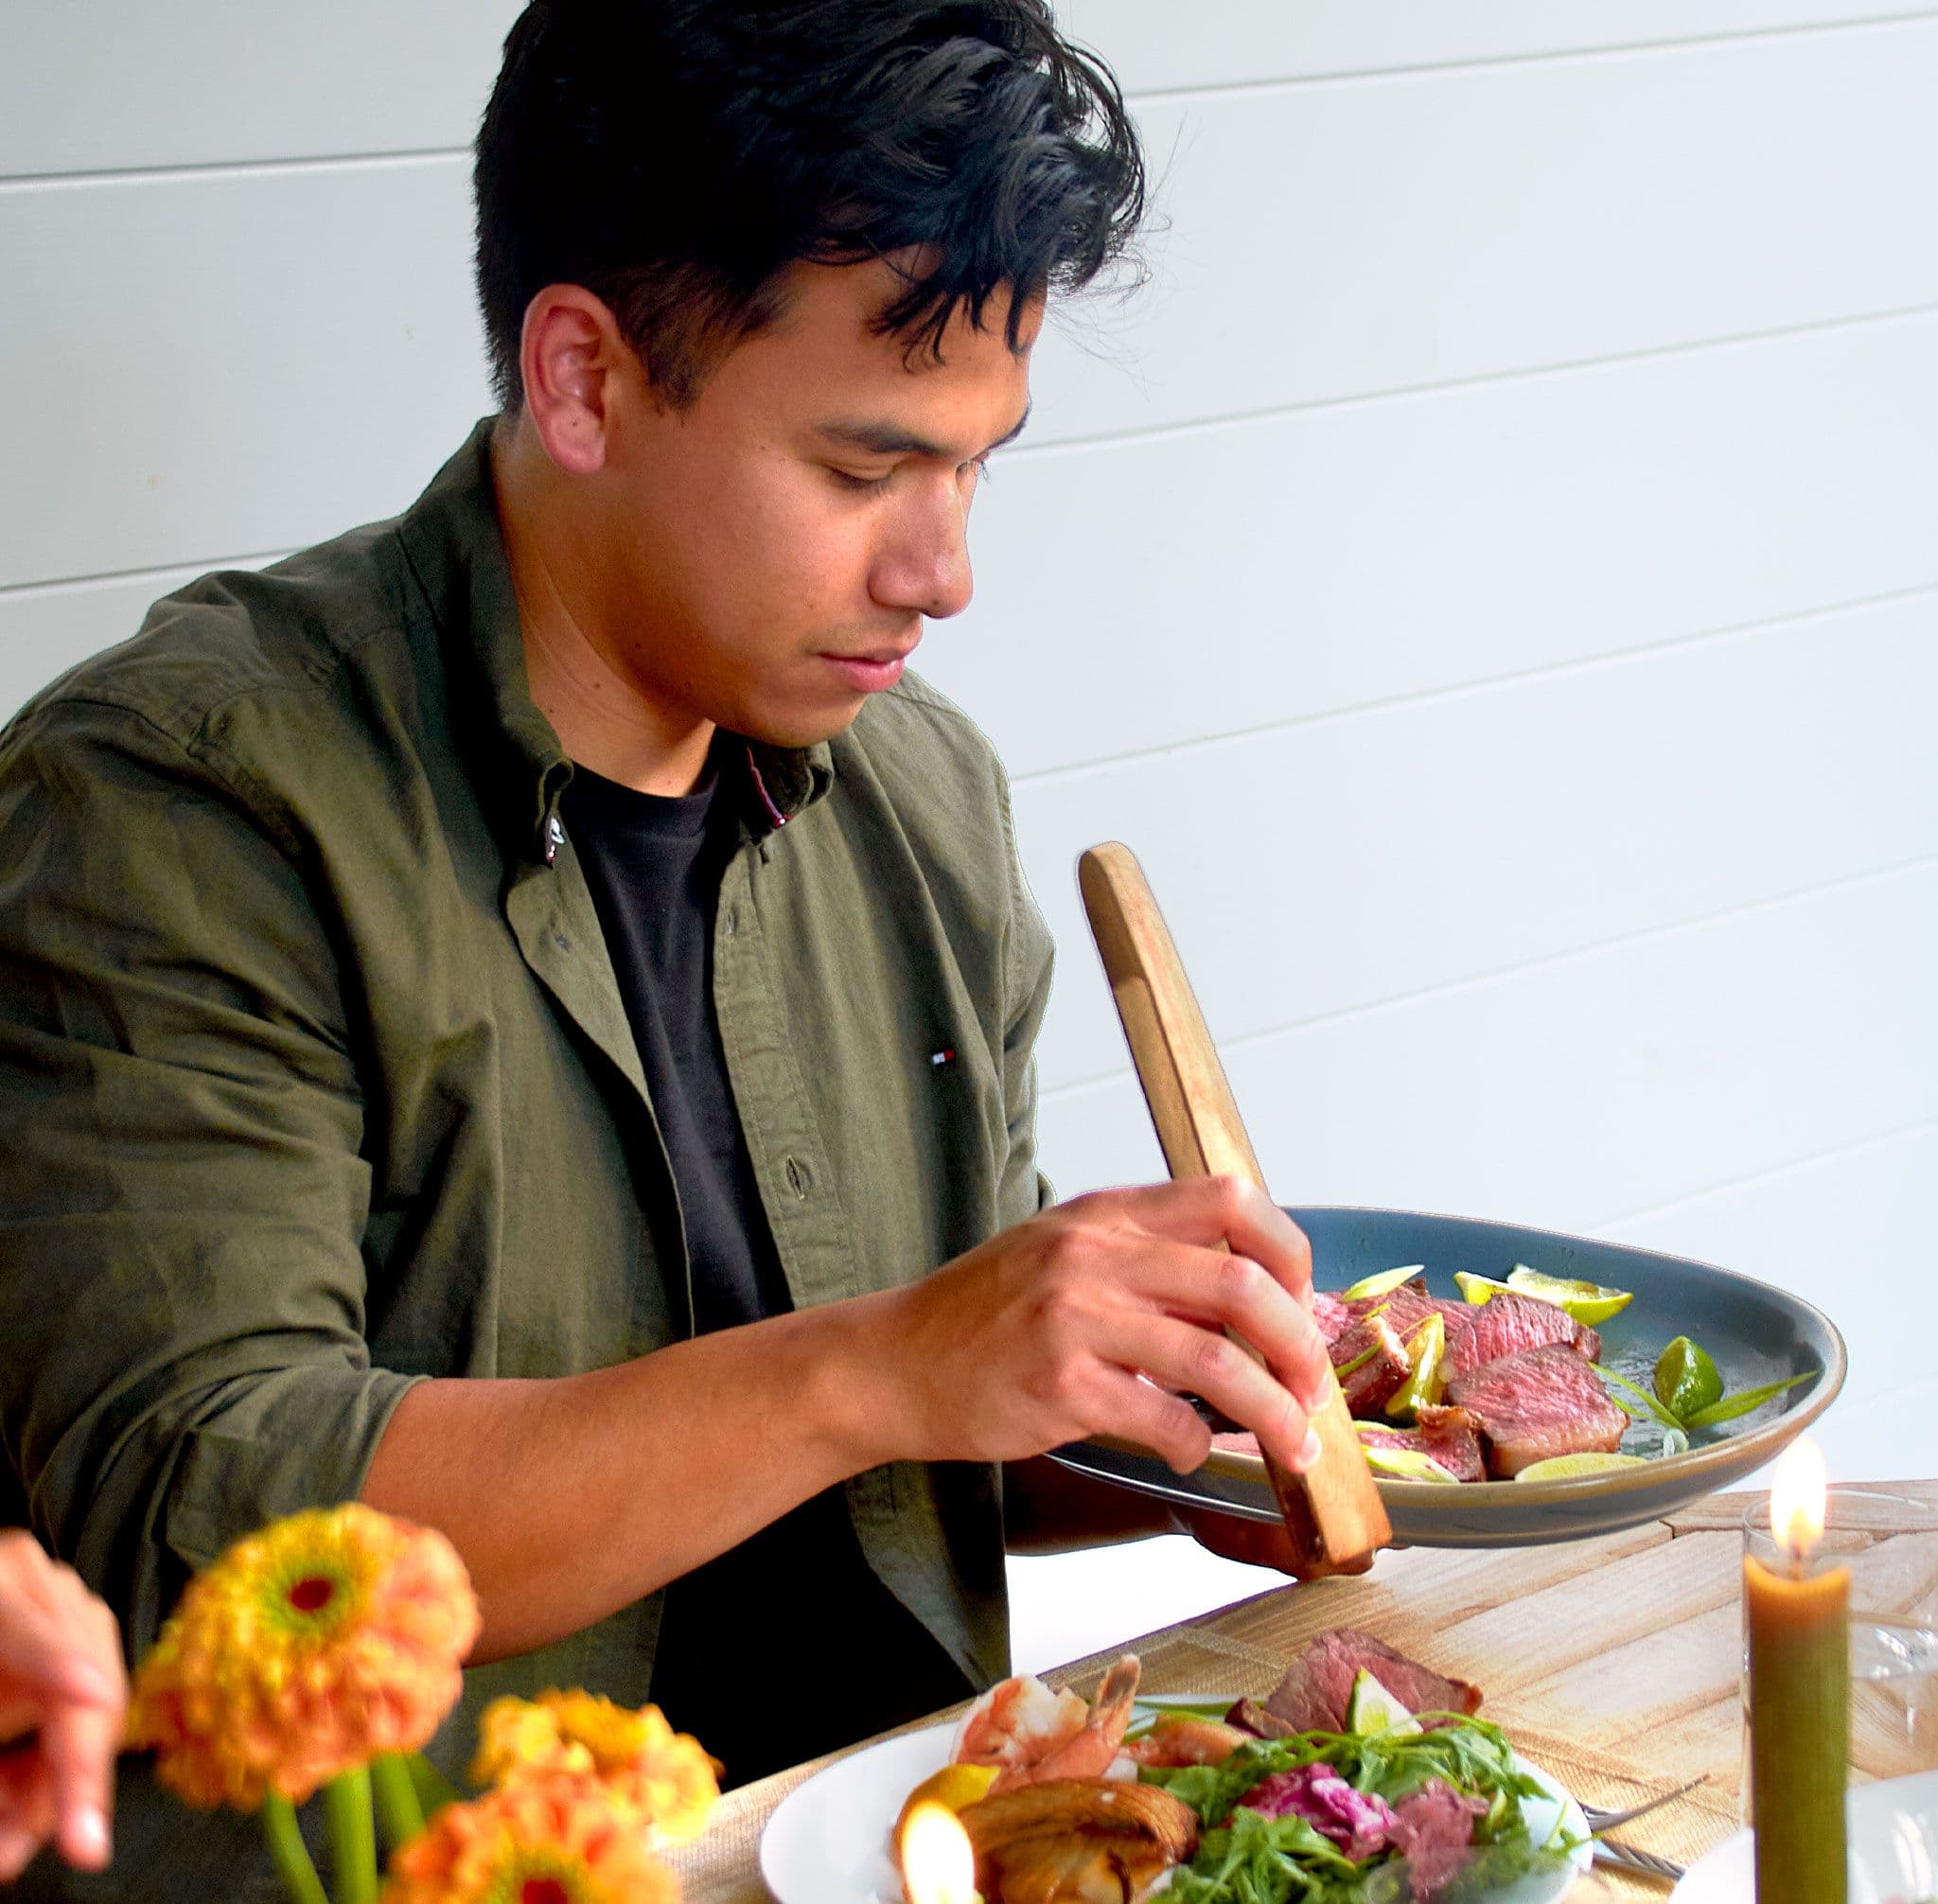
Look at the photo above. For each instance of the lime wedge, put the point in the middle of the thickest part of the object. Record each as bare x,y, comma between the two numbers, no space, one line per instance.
1686,1378
1372,1708
1573,1467
1426,1349
1586,1302
1476,1288
1406,1464
1383,1284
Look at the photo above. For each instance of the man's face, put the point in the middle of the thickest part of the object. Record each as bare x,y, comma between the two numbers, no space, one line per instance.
766,556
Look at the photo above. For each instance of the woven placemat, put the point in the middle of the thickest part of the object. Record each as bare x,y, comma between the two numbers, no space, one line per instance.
723,1866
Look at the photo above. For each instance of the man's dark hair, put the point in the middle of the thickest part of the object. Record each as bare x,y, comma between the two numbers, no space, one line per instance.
676,156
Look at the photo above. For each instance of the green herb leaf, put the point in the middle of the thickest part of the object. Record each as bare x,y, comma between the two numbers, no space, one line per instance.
1642,1395
1733,1406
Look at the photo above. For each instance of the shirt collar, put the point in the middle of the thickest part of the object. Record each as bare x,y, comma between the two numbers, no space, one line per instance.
452,537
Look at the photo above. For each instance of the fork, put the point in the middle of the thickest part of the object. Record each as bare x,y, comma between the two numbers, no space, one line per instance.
1628,1858
1600,1821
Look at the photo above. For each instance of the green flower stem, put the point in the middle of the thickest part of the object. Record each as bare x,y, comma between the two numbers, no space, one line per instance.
397,1809
289,1853
352,1835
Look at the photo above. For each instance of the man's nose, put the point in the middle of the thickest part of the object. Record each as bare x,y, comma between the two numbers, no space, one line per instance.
926,565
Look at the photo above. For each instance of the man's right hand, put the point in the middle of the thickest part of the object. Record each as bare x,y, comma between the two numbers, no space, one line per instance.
1096,1316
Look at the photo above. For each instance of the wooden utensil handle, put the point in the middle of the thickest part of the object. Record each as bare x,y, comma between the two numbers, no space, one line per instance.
1333,1512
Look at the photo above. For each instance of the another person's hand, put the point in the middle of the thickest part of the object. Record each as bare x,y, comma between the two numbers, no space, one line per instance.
1258,1543
1098,1316
62,1697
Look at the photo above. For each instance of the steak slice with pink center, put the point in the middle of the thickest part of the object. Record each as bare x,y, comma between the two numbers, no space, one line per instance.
1509,1324
1445,1435
1313,1694
1543,1402
1371,1362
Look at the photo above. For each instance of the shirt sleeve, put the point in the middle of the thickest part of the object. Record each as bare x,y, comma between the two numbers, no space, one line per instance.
1028,958
182,1196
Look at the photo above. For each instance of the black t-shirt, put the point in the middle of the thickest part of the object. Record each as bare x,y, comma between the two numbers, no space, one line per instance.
786,1645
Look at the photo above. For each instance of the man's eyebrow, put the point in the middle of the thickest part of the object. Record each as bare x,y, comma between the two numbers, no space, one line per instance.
888,439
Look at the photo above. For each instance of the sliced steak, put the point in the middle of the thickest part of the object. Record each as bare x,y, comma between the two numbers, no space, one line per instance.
1249,1715
1331,1314
1509,1324
1448,1435
1543,1402
1313,1693
1371,1361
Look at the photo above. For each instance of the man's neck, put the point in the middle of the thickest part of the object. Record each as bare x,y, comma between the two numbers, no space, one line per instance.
601,719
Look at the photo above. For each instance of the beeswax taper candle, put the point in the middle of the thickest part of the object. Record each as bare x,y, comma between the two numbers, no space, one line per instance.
1796,1615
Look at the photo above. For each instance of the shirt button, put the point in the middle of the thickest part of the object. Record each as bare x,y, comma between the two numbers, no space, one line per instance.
555,839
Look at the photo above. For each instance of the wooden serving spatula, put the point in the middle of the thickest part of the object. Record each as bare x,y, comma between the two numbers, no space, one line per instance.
1333,1512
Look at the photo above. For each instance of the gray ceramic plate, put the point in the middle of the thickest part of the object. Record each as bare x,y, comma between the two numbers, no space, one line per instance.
1756,1334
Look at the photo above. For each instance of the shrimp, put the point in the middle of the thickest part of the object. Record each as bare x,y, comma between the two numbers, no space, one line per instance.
1177,1740
1033,1734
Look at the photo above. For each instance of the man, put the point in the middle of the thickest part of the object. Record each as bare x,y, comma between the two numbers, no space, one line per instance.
524,1012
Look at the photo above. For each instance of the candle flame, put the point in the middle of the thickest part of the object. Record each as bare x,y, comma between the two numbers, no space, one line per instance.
938,1862
1796,1499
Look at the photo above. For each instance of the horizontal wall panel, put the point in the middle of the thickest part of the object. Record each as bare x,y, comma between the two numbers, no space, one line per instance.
44,631
1833,1231
1423,229
1329,866
109,84
89,85
247,360
1140,595
1609,1081
1155,45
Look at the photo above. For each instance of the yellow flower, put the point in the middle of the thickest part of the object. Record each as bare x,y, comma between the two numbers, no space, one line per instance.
305,1650
665,1776
552,1837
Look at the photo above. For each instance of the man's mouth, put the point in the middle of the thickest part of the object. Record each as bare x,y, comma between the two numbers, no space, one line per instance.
873,669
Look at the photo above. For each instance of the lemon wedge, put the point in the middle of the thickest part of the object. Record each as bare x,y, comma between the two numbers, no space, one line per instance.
1372,1708
1586,1302
1383,1283
954,1787
1573,1467
1477,1289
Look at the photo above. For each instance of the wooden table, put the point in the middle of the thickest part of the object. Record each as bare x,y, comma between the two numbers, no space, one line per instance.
1612,1663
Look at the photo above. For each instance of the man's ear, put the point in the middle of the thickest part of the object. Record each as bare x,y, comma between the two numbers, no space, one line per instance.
570,355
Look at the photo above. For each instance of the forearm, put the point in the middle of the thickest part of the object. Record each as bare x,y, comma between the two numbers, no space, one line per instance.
571,1498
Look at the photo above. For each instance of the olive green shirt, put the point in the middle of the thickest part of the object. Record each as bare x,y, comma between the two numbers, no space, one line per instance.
317,1079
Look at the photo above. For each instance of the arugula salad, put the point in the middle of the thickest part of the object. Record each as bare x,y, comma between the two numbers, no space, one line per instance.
1375,1817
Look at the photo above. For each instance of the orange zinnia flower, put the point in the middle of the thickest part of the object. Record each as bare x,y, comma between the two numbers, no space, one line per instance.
555,1838
666,1777
305,1650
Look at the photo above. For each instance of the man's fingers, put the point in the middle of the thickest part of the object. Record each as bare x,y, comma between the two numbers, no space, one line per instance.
38,1657
1205,1361
1228,1291
1139,1411
1227,1209
26,1811
78,1744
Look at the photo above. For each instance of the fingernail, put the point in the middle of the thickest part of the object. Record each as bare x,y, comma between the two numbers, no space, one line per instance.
83,1680
16,1847
1308,1455
1319,1394
87,1835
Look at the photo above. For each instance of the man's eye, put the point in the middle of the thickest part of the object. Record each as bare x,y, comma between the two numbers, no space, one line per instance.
845,479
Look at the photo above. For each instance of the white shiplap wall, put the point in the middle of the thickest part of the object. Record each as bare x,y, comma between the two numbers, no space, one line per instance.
1490,574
